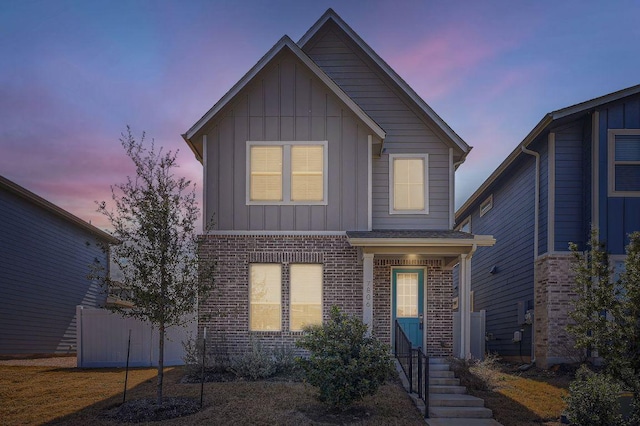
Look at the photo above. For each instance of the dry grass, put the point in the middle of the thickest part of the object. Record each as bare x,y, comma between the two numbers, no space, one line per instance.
520,398
39,395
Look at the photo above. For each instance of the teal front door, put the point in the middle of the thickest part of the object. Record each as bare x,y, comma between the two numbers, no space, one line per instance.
408,303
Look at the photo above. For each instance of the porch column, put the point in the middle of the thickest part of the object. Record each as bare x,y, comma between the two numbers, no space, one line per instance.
464,301
367,290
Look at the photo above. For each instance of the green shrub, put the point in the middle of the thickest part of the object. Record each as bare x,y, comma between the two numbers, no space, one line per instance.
216,357
255,364
344,363
593,399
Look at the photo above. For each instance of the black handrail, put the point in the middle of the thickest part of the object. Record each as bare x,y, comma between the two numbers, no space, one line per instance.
407,356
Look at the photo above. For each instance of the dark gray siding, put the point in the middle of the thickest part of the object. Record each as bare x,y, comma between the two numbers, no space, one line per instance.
407,131
541,147
570,187
44,263
619,216
511,222
286,102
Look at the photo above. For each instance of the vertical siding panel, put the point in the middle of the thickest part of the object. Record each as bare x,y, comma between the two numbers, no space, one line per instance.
213,186
287,88
318,218
349,173
615,225
287,217
303,218
272,218
334,134
632,115
256,99
239,173
271,92
225,215
303,93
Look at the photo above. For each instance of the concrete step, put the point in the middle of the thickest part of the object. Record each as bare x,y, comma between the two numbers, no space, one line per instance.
455,400
462,422
460,412
444,381
438,367
438,361
441,374
433,389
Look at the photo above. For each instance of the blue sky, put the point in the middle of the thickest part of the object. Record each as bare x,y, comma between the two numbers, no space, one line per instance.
73,74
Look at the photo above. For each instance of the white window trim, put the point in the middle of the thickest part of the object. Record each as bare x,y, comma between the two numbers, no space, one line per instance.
286,173
611,151
425,158
486,205
463,223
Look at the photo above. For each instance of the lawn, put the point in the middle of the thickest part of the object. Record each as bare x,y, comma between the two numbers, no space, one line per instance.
38,395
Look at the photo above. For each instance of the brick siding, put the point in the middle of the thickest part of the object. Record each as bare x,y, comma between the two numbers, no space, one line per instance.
554,297
225,312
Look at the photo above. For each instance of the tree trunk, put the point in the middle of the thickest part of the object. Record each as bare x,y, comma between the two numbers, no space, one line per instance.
160,363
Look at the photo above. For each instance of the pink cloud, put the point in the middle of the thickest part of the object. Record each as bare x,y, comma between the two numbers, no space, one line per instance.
440,61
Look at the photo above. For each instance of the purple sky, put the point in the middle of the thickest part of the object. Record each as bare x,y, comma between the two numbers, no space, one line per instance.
73,74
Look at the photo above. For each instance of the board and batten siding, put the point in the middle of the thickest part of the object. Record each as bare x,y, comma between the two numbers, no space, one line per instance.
44,263
286,102
511,222
407,131
619,216
570,185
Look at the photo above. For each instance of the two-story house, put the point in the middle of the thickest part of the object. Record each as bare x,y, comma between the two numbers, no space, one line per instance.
330,182
578,168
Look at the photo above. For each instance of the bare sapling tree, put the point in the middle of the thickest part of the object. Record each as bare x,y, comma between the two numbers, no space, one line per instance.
154,216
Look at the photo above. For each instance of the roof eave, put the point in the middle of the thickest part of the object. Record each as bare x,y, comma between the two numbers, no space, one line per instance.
478,241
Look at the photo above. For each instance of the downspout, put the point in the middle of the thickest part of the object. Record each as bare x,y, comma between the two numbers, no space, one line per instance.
536,225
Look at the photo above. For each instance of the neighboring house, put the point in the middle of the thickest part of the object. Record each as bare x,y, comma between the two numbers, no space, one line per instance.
330,182
45,255
580,166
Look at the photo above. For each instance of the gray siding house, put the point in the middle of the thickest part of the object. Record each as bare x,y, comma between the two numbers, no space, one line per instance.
45,253
580,166
330,182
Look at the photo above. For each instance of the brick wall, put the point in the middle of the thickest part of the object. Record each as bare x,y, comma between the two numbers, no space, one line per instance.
225,312
554,298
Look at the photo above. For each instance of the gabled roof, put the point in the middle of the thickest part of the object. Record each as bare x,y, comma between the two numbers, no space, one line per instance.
421,104
284,43
543,125
29,196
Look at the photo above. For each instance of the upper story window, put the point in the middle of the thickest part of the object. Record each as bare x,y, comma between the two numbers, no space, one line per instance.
486,205
408,187
287,172
624,162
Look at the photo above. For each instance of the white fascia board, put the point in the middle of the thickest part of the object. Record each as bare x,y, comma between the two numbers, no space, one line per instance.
330,14
478,241
285,41
277,233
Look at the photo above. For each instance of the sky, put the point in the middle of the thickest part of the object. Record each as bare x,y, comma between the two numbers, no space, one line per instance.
74,74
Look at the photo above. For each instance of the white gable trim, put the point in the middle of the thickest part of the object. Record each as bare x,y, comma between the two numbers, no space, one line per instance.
285,42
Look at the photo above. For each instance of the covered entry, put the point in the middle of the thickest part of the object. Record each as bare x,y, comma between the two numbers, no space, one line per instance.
407,276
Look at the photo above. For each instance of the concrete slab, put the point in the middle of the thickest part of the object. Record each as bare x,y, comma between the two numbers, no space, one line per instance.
462,422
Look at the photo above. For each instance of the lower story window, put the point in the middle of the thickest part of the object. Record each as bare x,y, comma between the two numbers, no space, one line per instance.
265,304
306,295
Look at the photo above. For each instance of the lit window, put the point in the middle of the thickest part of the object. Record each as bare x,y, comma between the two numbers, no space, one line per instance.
306,295
287,173
307,167
408,184
264,297
407,295
266,173
624,163
486,205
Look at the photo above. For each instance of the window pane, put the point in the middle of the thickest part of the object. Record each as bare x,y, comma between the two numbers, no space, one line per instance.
406,295
627,148
307,165
264,297
627,177
408,180
306,295
266,173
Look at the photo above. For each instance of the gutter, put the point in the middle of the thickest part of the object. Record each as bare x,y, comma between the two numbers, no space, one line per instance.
193,148
536,227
